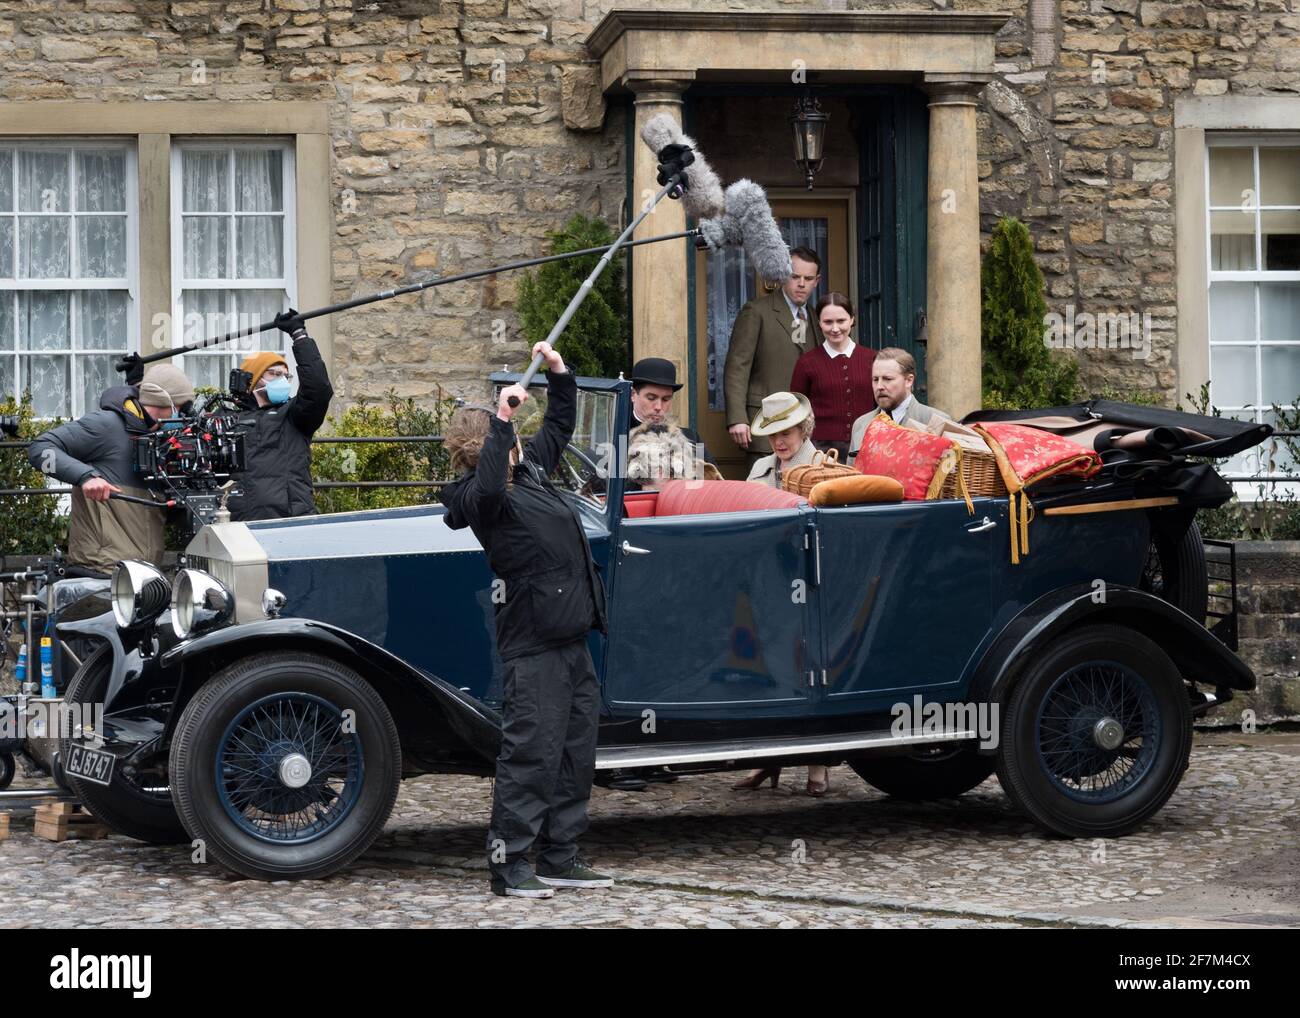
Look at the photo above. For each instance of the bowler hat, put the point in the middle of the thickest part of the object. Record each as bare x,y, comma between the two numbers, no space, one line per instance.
656,371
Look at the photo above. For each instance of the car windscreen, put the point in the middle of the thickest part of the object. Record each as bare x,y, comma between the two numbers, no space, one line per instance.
589,459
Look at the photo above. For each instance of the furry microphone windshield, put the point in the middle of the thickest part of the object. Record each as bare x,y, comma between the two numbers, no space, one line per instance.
748,221
703,196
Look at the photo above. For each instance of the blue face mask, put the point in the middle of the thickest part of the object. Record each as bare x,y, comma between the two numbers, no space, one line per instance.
173,425
277,391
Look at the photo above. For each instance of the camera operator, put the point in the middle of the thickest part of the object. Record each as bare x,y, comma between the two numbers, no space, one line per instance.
95,455
277,432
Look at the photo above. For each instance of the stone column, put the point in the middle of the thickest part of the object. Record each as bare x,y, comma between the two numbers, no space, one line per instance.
953,245
659,322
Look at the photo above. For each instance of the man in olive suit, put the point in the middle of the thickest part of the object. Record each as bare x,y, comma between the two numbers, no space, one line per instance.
770,334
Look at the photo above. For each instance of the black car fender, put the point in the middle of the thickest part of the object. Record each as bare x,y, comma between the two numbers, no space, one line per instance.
134,650
441,728
1198,655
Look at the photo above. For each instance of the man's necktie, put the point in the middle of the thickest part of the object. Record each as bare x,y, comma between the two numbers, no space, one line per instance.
799,330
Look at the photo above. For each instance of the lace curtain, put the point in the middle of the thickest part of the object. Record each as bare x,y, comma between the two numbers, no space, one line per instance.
731,284
233,223
63,216
220,194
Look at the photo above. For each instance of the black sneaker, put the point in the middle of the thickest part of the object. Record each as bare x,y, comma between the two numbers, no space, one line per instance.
577,875
530,888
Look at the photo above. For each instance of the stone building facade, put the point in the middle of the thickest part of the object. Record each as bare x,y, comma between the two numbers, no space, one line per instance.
437,136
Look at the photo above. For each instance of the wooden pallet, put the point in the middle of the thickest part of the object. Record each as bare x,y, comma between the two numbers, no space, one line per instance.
61,821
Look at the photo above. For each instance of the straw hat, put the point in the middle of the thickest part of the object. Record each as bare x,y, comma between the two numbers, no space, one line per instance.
781,410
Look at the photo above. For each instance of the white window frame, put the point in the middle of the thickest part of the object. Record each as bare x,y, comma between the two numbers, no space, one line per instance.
1255,458
288,283
10,287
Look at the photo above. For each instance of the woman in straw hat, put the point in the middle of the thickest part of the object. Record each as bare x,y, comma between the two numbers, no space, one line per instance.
786,420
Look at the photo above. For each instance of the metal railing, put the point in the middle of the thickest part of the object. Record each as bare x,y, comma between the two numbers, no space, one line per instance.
317,485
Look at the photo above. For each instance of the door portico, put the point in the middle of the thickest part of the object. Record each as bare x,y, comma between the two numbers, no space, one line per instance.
657,56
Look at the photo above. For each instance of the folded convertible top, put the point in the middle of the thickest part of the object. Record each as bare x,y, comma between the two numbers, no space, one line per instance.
1224,435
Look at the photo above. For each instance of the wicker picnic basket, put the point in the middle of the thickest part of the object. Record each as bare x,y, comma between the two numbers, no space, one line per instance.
824,466
980,472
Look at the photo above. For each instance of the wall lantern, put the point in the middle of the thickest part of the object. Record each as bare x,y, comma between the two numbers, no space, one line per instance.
809,123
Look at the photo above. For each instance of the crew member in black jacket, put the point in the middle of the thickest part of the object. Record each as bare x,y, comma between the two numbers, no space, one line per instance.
278,430
551,597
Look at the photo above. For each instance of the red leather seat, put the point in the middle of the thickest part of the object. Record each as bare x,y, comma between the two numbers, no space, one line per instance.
638,505
688,498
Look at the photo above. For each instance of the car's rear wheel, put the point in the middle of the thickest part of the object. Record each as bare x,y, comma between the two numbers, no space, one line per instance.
285,766
140,806
1096,735
930,772
7,769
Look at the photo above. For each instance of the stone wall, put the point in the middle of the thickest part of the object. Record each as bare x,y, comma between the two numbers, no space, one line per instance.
1081,148
1268,603
464,130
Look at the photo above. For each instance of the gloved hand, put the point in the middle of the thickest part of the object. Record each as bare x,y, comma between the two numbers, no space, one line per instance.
291,322
134,368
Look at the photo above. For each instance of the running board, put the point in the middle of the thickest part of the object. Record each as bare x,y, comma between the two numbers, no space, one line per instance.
26,798
609,758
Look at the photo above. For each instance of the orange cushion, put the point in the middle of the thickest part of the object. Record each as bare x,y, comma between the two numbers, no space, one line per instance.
909,456
856,490
1026,454
690,497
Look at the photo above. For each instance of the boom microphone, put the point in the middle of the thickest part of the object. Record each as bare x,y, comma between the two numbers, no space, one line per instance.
748,221
702,190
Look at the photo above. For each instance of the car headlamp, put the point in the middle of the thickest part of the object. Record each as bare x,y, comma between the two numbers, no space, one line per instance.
140,593
199,602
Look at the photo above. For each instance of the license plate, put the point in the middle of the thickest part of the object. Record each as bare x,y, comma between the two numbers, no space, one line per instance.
90,765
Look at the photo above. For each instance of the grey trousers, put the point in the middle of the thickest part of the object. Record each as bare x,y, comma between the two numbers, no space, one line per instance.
550,719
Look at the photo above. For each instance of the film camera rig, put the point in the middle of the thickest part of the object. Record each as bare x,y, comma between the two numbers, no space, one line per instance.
196,458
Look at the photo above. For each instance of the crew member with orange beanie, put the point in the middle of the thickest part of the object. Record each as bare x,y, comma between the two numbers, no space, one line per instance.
276,480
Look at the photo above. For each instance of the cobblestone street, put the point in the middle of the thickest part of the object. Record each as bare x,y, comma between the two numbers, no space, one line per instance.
1226,849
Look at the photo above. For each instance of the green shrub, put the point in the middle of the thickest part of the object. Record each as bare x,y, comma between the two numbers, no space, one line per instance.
382,461
1019,369
595,340
29,524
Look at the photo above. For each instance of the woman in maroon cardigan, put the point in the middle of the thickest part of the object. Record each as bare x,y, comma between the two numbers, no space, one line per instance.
835,376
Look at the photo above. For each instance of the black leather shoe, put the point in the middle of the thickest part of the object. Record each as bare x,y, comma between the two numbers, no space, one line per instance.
624,781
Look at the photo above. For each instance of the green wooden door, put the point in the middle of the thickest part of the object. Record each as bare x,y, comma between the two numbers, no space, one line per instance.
893,142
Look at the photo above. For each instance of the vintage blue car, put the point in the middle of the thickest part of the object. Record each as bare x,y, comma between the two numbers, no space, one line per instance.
270,696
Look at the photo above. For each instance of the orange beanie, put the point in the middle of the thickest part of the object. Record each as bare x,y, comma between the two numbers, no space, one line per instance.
257,364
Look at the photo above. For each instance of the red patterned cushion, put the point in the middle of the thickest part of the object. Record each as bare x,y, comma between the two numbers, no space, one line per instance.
685,498
1033,454
909,456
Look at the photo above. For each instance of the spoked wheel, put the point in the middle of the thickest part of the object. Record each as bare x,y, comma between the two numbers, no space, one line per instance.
1175,572
1096,736
285,766
139,806
930,772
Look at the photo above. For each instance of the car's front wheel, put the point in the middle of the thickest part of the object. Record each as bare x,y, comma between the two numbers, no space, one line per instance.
931,772
1096,734
286,766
